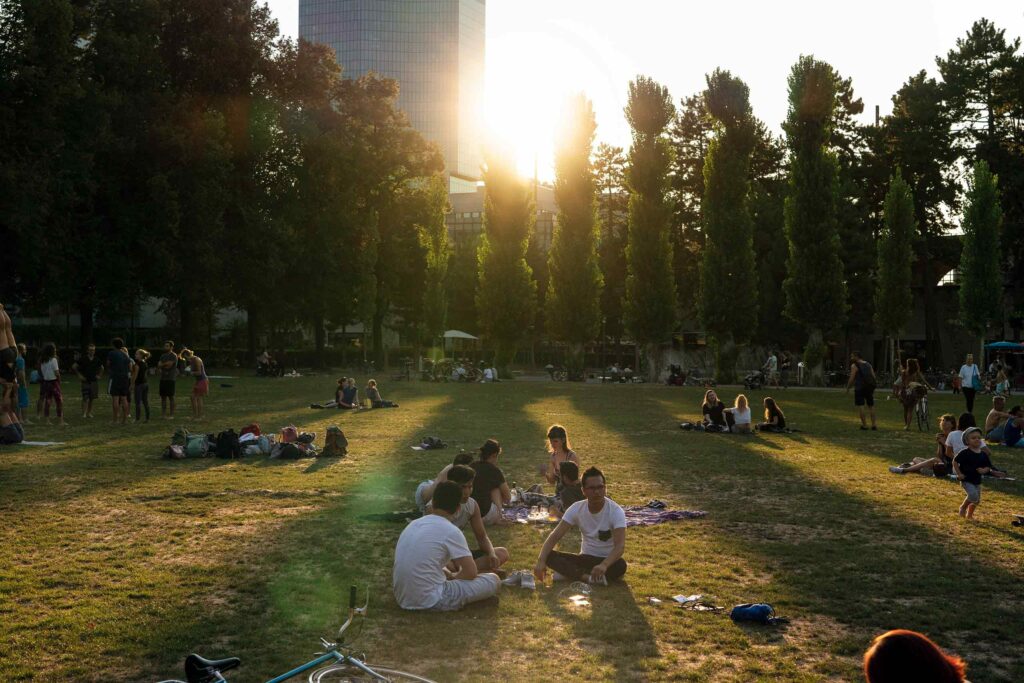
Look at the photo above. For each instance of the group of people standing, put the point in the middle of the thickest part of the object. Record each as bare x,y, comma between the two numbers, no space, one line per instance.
435,569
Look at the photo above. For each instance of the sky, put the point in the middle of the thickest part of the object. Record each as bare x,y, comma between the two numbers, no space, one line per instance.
540,51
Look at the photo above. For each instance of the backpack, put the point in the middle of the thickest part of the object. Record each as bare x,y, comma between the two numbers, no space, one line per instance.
227,445
250,429
432,442
335,443
289,434
758,613
180,437
306,438
289,451
196,446
174,452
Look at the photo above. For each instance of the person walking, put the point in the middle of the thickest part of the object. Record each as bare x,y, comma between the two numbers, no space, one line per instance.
49,372
862,379
970,381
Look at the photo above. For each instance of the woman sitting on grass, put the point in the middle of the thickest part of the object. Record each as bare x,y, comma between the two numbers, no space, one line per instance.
939,465
344,396
559,451
774,419
913,388
909,657
955,440
715,418
741,416
373,393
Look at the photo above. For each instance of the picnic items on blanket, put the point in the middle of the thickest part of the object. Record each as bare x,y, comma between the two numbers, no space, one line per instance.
429,443
41,443
636,515
225,444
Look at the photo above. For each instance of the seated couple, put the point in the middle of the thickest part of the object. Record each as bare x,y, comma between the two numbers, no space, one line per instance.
490,489
1005,427
346,396
716,417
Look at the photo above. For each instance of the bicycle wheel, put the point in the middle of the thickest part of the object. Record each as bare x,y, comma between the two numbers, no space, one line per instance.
922,414
346,673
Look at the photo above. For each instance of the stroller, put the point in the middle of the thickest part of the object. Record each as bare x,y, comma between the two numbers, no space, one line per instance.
754,380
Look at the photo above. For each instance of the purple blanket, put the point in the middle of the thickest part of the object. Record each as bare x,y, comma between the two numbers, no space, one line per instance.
636,515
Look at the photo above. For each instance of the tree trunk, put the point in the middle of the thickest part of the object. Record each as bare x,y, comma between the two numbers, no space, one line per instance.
85,323
725,360
186,322
815,374
319,335
933,343
653,355
378,336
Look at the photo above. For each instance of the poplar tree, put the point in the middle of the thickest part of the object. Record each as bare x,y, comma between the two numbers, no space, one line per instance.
434,238
727,304
574,285
650,305
894,301
981,282
815,290
507,292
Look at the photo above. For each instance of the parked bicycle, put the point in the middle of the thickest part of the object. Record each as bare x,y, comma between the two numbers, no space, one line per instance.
921,411
342,663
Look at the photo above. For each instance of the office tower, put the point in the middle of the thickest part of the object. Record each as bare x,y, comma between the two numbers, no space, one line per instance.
433,48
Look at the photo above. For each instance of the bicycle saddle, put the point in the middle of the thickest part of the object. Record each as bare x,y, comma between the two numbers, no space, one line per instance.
200,670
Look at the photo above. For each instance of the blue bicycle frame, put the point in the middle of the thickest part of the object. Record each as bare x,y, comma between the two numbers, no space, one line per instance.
323,659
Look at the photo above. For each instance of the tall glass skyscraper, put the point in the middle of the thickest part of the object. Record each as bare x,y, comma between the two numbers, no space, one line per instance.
433,48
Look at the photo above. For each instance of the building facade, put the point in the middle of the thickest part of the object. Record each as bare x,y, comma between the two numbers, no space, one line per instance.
433,48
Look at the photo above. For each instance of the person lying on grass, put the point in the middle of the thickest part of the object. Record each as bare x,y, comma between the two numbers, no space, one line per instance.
939,465
425,491
602,525
774,419
490,490
420,576
487,557
969,465
373,393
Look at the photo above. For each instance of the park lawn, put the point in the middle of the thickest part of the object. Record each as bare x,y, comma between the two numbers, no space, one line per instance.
115,564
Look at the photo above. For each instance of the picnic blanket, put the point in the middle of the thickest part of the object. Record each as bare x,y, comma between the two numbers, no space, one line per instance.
42,443
636,515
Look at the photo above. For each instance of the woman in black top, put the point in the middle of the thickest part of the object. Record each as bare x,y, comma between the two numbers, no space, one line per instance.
714,412
140,382
774,419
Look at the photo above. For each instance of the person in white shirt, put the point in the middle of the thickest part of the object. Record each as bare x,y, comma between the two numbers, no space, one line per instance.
955,440
488,375
487,557
49,390
421,578
602,525
741,416
969,374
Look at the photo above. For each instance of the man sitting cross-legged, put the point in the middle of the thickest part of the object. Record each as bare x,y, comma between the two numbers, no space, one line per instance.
602,524
488,558
421,578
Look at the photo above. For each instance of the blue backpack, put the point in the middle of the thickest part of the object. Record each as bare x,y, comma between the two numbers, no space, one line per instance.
756,612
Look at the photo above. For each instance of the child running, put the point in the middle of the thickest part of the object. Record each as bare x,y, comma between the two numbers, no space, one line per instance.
49,370
969,465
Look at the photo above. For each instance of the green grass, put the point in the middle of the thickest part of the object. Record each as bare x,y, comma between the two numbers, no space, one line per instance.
115,564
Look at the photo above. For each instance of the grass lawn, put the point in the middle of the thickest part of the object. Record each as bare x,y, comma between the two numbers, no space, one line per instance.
114,564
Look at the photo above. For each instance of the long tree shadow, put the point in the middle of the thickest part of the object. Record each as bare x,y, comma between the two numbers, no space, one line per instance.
822,549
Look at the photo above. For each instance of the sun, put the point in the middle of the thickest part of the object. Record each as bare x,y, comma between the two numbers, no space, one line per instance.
530,74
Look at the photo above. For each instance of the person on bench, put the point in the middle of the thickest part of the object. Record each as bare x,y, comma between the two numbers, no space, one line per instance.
420,576
602,525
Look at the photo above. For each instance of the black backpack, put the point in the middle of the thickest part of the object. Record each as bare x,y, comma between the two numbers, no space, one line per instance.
227,445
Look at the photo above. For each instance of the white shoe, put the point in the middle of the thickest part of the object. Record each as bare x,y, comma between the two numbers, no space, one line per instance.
527,580
603,581
514,578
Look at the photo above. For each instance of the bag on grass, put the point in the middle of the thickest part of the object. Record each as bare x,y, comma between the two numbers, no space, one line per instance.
335,443
289,434
756,612
196,446
174,452
432,442
265,443
250,429
228,445
306,437
290,451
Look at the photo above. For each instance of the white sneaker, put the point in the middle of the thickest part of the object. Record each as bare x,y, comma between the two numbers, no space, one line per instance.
896,470
514,578
603,581
527,580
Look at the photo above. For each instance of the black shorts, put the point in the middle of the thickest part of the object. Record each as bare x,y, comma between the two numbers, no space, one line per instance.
167,387
864,397
119,386
91,389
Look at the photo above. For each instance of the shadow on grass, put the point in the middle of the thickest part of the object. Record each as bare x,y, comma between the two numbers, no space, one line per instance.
832,552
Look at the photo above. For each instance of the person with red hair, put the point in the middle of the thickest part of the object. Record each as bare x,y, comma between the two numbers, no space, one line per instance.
903,656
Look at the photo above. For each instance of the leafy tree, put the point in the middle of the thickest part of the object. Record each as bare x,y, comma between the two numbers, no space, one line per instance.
815,291
462,284
650,288
613,208
894,300
981,303
574,285
434,240
728,276
920,140
507,293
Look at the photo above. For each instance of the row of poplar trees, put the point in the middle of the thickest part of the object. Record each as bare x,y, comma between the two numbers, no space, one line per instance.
780,241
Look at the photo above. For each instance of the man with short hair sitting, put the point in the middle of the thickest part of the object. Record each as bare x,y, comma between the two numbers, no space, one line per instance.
996,419
420,576
488,558
602,525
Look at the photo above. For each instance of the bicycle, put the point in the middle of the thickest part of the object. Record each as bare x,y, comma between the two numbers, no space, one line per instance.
343,664
921,411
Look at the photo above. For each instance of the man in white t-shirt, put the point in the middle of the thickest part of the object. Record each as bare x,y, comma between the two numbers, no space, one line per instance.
421,578
487,557
602,525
